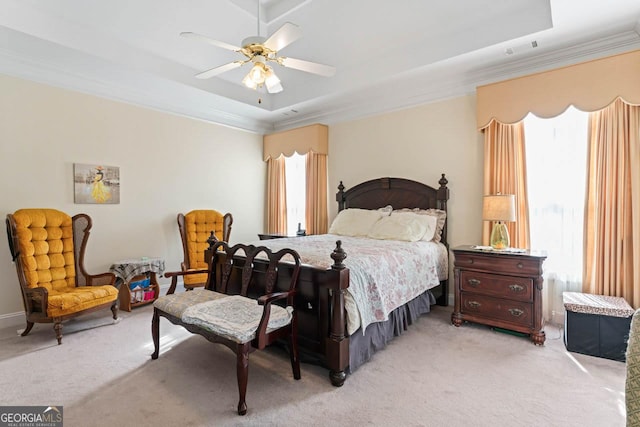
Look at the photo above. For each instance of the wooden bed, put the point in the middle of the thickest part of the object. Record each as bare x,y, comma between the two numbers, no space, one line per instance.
320,300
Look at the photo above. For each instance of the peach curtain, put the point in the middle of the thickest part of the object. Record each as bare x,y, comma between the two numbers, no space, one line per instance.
316,215
505,172
276,196
612,208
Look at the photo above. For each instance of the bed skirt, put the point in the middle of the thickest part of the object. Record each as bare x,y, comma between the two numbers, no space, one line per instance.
377,335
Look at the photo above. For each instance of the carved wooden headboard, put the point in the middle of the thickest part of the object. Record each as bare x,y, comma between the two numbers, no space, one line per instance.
397,192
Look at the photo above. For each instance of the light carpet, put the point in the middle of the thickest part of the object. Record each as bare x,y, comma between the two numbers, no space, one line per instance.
433,375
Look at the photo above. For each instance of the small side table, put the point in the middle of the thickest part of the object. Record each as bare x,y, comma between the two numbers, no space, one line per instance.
133,270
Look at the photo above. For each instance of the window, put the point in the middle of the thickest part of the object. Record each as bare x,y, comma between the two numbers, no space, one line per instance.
556,152
295,175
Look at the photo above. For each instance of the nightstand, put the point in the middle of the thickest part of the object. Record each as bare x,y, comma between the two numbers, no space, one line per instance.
500,289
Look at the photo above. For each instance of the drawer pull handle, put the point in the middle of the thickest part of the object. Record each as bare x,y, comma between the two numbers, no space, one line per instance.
473,304
473,282
520,265
516,312
516,288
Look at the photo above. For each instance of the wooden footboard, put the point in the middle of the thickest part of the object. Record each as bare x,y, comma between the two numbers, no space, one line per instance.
319,303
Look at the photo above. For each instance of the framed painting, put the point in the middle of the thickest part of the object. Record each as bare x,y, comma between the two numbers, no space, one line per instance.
97,184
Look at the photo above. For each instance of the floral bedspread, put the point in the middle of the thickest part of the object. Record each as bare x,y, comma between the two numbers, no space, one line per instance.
384,274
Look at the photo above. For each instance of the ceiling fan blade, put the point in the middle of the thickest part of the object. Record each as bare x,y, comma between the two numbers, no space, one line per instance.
309,67
210,41
219,70
283,36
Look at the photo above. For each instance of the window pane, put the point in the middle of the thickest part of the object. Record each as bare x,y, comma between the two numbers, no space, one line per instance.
556,151
295,167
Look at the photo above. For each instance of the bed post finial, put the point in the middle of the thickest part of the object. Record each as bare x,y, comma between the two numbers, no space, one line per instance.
443,181
443,193
340,197
338,255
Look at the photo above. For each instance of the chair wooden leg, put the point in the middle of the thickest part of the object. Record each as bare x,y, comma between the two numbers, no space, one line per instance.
114,310
155,333
57,326
27,329
242,370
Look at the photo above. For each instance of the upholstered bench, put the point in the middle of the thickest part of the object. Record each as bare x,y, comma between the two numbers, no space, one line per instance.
250,318
176,304
231,316
597,325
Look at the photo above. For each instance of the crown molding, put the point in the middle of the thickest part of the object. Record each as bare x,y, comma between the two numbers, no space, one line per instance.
428,88
568,55
184,101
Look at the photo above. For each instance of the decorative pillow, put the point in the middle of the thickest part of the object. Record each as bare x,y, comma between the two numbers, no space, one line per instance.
405,226
439,214
355,222
386,210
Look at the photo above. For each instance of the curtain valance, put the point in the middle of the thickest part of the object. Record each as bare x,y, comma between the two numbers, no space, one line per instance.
302,140
589,86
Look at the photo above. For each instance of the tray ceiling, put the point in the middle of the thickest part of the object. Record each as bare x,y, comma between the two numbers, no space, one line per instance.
388,55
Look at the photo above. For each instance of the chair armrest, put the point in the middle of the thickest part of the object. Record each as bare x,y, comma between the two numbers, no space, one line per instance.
174,277
101,279
169,274
269,298
266,300
38,295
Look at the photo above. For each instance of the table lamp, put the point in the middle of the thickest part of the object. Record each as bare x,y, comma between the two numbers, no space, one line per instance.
499,208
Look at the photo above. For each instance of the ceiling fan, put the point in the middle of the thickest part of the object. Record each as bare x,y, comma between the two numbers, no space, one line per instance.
260,51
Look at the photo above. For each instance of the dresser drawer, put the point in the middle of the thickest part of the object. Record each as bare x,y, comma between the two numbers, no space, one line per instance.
511,287
520,265
515,312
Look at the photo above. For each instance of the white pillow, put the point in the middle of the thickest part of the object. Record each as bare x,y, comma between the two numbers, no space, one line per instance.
438,214
407,227
430,222
355,222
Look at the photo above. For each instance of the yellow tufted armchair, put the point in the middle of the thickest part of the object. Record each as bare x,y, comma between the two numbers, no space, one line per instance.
48,247
195,230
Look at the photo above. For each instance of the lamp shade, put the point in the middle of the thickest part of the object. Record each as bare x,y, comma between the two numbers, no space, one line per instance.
499,207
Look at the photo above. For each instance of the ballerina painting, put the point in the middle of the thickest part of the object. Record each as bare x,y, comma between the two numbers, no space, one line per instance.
96,184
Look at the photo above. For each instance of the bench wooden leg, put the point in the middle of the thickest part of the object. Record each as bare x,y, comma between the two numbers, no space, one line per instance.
293,349
242,370
155,333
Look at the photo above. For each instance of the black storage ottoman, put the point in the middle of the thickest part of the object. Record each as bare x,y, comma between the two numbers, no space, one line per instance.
597,325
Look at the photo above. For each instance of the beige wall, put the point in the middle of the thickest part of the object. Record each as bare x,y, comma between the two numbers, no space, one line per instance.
164,167
168,164
419,144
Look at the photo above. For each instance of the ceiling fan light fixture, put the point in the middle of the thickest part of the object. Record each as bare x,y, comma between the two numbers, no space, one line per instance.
272,82
258,74
259,51
249,83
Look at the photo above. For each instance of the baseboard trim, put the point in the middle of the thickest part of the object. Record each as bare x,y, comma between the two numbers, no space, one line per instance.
11,320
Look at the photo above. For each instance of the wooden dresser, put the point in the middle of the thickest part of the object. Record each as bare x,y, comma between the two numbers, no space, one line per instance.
499,289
